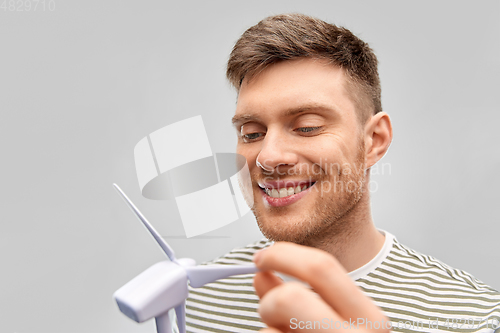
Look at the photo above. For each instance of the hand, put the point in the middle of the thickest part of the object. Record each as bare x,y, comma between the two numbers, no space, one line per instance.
289,307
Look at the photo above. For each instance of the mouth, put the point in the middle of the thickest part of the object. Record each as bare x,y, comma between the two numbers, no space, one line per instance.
283,193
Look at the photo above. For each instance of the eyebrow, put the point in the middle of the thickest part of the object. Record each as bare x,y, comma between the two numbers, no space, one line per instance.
242,118
237,119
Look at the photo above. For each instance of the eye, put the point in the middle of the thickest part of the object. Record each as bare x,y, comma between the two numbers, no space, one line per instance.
252,131
307,129
251,137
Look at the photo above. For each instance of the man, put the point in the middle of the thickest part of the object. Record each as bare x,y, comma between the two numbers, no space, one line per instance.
310,124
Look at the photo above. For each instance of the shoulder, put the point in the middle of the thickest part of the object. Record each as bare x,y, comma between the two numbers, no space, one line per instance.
406,261
413,287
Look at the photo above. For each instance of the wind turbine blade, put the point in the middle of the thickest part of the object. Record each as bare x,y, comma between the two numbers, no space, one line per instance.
180,311
200,275
165,247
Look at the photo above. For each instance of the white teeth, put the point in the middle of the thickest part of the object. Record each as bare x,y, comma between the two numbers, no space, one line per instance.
285,192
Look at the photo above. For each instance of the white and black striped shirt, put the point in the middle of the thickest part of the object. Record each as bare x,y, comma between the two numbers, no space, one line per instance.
417,293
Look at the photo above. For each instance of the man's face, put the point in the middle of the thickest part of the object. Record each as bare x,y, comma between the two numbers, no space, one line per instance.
298,130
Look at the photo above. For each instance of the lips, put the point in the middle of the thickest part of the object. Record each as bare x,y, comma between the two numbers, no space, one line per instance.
283,193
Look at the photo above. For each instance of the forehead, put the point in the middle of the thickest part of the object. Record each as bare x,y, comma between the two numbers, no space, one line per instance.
290,85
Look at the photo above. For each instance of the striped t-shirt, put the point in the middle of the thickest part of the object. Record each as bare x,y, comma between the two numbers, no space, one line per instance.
416,292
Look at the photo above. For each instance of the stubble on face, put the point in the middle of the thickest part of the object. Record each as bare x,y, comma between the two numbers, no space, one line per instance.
329,216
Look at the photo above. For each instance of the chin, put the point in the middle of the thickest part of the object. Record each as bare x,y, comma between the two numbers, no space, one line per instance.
283,229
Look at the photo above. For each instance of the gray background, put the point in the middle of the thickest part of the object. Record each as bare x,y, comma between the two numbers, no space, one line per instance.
81,85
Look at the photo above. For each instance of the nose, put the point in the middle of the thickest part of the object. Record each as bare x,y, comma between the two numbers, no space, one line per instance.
277,153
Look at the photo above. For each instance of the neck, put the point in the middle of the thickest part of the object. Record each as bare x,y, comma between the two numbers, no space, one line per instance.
357,241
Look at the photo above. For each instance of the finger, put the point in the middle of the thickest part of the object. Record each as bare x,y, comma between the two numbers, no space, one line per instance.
265,281
323,273
291,307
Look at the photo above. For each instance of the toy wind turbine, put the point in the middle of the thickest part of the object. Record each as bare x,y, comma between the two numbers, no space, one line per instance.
164,285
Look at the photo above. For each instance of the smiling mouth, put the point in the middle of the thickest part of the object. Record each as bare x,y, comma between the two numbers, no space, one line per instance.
285,191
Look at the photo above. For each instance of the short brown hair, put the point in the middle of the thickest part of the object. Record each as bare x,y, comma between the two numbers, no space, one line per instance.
291,36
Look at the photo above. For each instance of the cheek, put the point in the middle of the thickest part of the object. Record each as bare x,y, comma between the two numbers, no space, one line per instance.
331,157
241,150
250,153
321,152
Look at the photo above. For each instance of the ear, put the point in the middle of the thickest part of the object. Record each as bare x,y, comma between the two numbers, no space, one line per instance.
378,137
